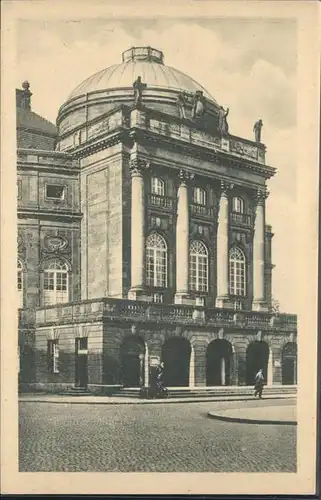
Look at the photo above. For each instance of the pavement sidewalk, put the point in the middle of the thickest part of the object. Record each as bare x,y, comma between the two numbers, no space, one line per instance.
273,415
114,400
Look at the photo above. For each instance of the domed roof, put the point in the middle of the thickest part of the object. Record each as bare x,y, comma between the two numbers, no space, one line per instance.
145,62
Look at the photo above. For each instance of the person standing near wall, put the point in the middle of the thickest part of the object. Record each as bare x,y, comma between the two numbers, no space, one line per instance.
259,382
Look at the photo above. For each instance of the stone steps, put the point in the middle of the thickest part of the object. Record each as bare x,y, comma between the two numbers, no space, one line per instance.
76,391
211,392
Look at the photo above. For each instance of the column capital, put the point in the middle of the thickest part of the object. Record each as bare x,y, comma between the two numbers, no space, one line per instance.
226,187
138,166
261,195
185,176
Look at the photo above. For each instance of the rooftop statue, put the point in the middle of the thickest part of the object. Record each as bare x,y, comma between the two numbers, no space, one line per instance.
138,87
257,128
222,120
181,102
198,104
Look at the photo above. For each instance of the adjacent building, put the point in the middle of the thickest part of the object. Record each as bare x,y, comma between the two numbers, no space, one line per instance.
143,237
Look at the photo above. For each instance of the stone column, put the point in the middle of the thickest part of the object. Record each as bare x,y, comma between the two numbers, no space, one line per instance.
146,366
222,253
137,168
192,368
270,368
200,363
182,238
277,366
258,253
223,379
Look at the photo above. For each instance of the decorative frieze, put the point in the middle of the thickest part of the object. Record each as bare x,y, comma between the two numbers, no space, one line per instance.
244,149
157,222
55,244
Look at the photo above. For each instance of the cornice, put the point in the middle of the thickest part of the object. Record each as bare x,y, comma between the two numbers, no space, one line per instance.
45,167
203,152
55,214
44,152
99,145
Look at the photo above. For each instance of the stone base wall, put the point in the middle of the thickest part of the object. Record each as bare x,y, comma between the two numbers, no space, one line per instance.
66,336
106,338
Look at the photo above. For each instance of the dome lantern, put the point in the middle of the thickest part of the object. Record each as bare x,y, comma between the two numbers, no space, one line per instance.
143,54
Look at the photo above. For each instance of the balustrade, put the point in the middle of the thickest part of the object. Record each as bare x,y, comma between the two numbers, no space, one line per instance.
160,201
240,219
254,319
121,308
127,308
217,316
203,210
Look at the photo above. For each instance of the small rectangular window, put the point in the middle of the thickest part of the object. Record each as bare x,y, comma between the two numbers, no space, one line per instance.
199,196
55,192
158,186
53,356
238,205
158,298
82,345
199,301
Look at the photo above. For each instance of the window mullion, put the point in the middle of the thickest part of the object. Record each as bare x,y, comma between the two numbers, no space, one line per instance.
55,286
155,267
197,273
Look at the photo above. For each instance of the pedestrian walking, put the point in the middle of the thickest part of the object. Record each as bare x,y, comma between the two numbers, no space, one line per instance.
259,382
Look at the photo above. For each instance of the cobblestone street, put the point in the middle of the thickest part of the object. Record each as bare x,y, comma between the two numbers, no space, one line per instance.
151,438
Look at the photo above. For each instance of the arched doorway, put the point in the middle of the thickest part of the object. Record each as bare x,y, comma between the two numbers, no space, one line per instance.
176,353
219,362
289,364
132,353
257,357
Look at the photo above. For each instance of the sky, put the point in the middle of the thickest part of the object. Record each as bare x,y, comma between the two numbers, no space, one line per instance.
246,65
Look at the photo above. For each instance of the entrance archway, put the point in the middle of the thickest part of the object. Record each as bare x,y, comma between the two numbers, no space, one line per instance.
289,364
219,362
132,354
257,357
176,353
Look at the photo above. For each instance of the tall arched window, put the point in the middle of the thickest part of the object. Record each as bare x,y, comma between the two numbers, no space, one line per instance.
158,186
156,261
198,267
238,205
199,196
20,282
237,272
55,283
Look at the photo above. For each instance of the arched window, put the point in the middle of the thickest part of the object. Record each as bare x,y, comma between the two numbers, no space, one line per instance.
199,196
198,267
20,282
237,272
55,283
158,186
156,261
238,205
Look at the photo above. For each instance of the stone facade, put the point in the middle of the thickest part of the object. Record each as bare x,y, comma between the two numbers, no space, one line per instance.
120,175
